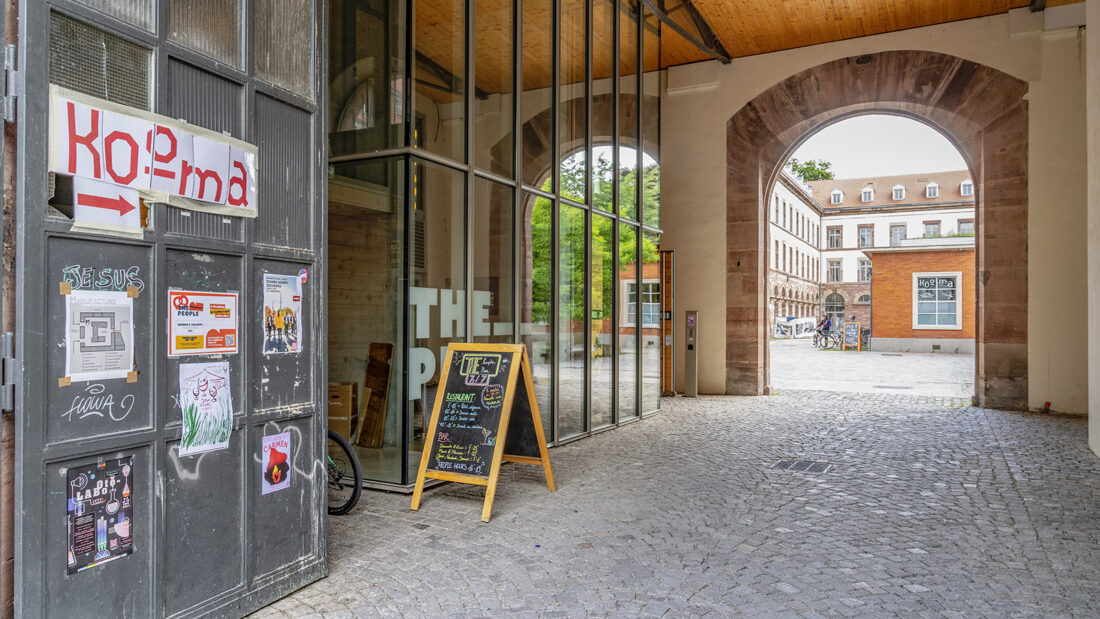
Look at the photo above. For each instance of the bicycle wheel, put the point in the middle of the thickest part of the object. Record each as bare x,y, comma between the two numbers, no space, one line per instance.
345,479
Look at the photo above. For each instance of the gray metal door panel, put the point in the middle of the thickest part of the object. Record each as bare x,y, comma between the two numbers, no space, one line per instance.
207,541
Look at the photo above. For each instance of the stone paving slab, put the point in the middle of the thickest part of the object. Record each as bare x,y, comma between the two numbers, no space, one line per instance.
796,364
932,508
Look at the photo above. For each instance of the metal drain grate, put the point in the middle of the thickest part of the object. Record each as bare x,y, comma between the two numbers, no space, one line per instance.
802,466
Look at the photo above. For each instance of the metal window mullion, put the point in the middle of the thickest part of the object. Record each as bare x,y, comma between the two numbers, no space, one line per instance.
517,167
639,207
588,169
616,252
467,208
555,228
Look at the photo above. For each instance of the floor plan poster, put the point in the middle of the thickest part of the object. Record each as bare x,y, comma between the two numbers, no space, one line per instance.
100,513
202,323
276,463
99,335
282,313
207,407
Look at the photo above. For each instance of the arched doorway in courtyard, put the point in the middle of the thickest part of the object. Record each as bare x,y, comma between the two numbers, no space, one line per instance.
979,109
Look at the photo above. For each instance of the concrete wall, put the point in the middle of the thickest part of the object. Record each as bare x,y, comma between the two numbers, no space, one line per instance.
701,98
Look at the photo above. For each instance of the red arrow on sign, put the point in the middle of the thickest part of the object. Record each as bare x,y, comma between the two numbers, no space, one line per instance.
119,204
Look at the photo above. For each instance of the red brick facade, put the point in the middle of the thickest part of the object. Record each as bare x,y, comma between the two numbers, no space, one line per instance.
892,291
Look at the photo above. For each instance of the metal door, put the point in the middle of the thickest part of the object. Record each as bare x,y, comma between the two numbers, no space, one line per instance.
206,540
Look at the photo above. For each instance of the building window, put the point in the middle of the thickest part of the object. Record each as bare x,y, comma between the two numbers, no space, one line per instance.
834,238
897,234
834,270
868,194
966,227
866,236
864,298
967,187
834,309
931,229
936,300
784,214
931,190
864,270
836,197
899,192
776,220
651,304
777,255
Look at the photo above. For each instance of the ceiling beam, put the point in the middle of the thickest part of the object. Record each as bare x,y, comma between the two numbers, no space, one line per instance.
706,40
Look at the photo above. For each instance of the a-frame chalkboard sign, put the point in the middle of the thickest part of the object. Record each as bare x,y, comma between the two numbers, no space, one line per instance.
485,413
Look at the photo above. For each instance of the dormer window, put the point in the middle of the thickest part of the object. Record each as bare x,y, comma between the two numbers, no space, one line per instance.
931,190
836,197
967,187
868,194
899,192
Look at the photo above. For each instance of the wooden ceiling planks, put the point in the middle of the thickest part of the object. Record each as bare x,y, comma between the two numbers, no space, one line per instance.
749,27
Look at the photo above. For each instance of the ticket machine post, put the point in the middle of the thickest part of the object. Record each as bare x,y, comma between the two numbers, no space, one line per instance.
691,355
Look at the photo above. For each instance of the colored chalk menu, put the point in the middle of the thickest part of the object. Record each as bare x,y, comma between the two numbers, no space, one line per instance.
485,412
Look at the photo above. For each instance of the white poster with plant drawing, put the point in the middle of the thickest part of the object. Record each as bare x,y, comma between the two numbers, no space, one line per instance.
207,407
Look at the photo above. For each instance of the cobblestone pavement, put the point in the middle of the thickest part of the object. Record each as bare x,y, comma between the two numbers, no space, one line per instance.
796,364
932,508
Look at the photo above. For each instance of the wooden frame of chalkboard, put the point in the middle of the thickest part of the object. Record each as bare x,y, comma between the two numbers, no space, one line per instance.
851,336
480,387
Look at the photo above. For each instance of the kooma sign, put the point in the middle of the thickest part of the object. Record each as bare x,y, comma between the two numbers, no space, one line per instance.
143,154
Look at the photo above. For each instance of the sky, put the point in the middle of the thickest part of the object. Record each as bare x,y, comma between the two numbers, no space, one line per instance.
881,145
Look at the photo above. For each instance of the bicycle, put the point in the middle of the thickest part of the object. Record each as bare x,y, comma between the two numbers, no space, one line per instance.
345,478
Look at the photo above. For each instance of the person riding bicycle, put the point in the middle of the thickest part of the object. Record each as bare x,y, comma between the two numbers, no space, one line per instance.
825,325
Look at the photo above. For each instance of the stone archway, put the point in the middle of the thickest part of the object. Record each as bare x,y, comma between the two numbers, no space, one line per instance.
979,109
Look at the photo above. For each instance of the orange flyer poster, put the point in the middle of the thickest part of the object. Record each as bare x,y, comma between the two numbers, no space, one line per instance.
202,323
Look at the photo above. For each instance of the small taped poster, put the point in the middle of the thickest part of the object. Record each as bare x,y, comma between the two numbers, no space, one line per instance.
100,513
99,335
207,405
276,463
202,323
282,314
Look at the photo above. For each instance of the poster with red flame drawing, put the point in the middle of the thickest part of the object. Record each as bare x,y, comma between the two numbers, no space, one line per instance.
207,406
276,463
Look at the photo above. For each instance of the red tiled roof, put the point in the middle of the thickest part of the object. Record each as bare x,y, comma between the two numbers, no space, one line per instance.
950,190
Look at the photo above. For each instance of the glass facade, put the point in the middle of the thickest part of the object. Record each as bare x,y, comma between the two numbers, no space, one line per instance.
492,183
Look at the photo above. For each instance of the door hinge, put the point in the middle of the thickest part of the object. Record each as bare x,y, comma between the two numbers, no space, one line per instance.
7,371
7,105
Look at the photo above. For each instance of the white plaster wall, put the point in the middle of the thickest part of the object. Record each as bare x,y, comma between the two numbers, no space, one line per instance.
914,226
700,99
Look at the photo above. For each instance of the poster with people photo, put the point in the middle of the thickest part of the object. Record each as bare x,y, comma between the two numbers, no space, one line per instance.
100,513
282,314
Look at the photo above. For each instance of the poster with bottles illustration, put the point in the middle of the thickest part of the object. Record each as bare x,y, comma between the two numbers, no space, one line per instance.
101,512
276,463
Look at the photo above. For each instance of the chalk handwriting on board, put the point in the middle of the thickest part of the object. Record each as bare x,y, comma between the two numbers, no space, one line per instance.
102,278
94,401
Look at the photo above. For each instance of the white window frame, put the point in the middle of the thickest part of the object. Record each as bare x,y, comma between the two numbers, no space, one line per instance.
967,187
836,197
904,233
859,276
860,299
628,317
839,269
867,195
970,223
958,301
899,192
932,190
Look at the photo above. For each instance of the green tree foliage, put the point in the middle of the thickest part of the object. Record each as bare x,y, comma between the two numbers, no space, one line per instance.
571,232
812,170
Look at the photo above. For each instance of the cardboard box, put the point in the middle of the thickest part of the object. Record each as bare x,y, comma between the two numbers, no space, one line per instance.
343,408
